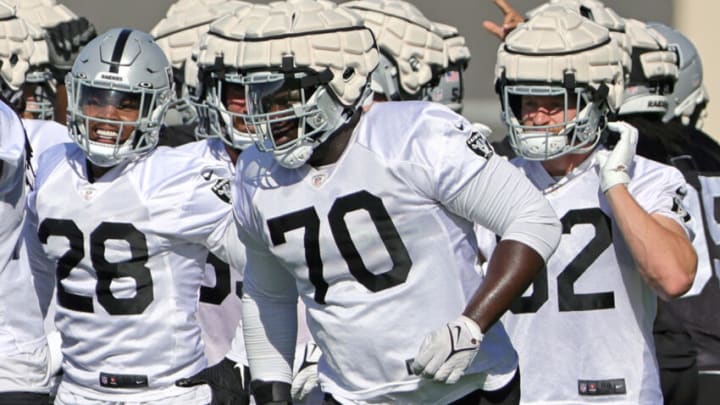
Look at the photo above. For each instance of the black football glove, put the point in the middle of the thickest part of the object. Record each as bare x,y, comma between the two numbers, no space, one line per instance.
65,40
225,380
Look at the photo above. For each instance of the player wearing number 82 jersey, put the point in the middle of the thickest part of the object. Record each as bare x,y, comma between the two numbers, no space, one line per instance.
584,331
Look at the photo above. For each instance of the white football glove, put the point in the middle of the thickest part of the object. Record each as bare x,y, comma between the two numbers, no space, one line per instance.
306,378
446,353
615,164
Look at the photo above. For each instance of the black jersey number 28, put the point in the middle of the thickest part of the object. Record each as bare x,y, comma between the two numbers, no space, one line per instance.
106,271
308,218
568,299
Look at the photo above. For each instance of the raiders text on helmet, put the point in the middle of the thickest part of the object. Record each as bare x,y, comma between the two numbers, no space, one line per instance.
123,63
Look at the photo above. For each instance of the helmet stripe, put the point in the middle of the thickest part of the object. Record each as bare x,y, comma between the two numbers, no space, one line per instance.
119,49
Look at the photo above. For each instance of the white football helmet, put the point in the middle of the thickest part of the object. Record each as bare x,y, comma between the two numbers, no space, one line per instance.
419,59
210,86
559,53
689,96
16,54
178,32
654,71
121,64
39,75
313,56
448,87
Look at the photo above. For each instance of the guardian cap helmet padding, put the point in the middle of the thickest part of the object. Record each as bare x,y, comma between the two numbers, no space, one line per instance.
689,96
559,53
313,55
419,59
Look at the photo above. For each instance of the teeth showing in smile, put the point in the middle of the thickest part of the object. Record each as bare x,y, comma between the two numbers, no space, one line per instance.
106,135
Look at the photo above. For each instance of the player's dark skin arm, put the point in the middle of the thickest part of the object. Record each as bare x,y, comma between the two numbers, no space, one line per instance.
513,266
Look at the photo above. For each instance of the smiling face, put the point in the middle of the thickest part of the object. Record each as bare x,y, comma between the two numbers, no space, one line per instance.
115,112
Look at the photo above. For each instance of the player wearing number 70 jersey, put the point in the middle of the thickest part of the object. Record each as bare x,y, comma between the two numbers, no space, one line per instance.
368,218
584,331
127,226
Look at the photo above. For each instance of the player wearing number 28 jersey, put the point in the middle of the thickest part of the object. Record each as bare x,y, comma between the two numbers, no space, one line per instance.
128,227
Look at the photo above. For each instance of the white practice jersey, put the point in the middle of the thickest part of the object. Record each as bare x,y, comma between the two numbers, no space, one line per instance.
583,330
376,256
711,202
220,305
130,250
21,323
220,310
44,134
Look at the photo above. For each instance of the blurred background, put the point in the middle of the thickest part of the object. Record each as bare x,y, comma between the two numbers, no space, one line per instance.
695,18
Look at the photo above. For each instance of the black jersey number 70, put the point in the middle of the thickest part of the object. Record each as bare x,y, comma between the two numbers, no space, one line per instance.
308,219
568,300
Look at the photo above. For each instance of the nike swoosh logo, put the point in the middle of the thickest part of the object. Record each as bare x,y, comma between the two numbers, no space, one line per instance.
457,337
460,126
207,175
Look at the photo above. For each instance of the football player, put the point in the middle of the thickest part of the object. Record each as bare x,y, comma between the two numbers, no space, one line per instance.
653,96
584,331
25,358
219,98
177,33
368,218
131,232
687,331
65,33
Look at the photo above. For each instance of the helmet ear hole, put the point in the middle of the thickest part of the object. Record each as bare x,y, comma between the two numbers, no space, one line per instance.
348,74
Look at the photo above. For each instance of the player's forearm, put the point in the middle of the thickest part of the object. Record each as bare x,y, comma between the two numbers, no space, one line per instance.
663,254
512,267
270,333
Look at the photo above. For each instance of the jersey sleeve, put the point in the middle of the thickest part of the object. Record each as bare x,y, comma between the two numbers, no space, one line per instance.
12,148
502,199
440,155
450,160
269,291
662,190
193,203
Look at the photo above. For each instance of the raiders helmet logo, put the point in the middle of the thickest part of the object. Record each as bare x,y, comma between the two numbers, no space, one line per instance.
478,143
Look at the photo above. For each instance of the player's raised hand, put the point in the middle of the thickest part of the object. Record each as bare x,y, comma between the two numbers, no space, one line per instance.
66,39
615,164
511,19
225,380
446,353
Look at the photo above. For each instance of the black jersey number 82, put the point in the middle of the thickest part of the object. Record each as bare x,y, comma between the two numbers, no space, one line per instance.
568,299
